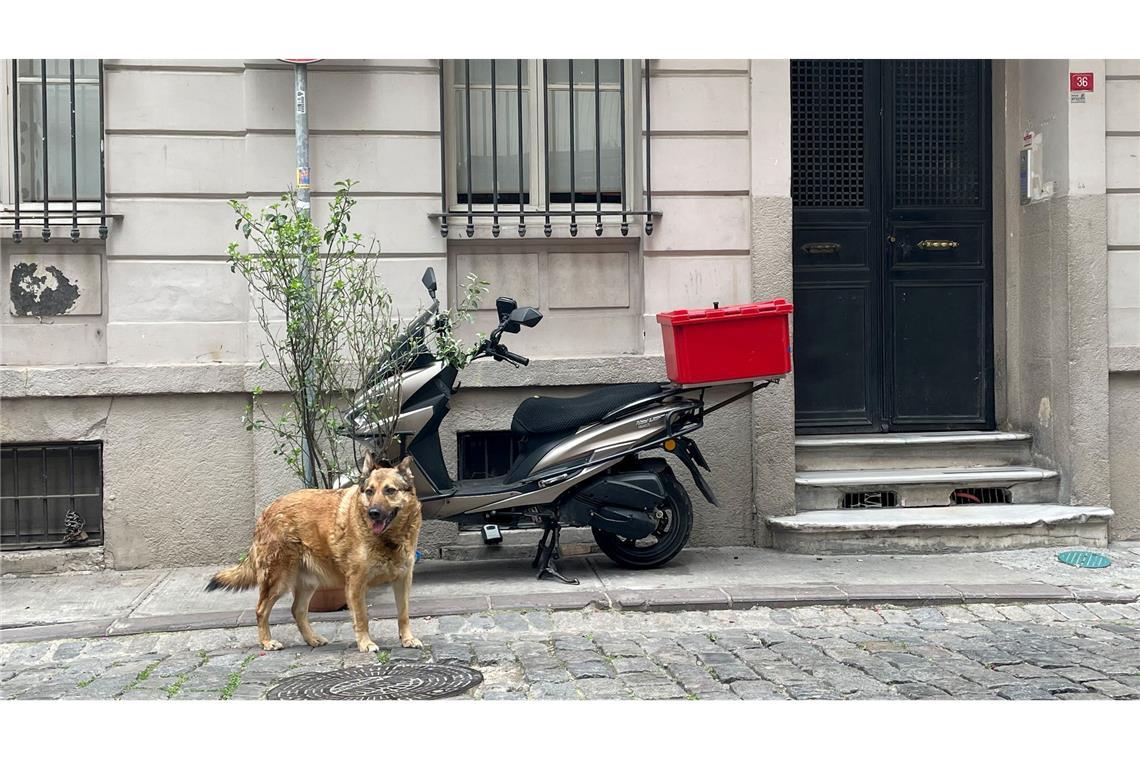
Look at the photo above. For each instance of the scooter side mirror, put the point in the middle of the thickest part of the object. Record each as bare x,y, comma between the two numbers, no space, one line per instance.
526,315
429,281
505,306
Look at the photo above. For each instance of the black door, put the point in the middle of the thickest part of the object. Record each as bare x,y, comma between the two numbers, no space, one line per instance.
891,245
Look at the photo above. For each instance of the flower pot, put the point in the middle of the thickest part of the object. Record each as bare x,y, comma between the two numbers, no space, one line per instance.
328,600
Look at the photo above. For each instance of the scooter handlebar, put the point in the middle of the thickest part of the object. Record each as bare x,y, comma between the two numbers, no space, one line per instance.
511,356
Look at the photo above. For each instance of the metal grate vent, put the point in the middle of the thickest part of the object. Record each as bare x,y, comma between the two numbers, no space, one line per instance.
937,151
392,681
981,496
869,500
51,495
827,134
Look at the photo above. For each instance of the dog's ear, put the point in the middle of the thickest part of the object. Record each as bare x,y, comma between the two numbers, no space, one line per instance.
405,469
368,465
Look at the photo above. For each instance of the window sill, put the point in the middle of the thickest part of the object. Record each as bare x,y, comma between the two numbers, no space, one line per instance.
482,224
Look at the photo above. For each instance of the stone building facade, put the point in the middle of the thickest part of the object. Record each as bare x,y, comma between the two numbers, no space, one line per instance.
157,356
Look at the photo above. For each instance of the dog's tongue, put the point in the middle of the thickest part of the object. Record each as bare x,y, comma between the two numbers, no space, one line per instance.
380,527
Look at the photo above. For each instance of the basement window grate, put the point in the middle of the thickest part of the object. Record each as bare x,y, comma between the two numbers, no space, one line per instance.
51,495
981,496
869,500
486,454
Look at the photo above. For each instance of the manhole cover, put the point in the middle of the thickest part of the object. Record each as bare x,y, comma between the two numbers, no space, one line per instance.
1084,559
392,681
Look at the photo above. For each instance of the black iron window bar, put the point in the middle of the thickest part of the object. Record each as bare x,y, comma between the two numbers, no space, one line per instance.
497,211
42,482
47,214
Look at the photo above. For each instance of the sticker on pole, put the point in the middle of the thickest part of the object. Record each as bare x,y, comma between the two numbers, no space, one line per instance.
303,178
1091,560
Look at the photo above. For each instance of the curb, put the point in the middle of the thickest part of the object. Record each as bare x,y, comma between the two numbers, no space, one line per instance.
648,600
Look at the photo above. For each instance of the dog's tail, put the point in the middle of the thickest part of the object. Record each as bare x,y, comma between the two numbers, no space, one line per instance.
240,576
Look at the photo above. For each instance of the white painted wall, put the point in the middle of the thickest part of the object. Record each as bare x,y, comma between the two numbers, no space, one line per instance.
184,137
1122,172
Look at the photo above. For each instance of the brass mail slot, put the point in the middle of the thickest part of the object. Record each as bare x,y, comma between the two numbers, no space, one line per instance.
938,245
820,247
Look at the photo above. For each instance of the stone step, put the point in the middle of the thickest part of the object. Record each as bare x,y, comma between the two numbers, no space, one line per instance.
921,486
943,449
940,529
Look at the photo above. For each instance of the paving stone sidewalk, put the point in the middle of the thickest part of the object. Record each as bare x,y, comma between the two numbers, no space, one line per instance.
1064,651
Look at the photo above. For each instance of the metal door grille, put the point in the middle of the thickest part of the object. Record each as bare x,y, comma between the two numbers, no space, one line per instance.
827,134
40,484
937,155
981,496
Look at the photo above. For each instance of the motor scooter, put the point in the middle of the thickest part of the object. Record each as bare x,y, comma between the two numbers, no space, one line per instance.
582,461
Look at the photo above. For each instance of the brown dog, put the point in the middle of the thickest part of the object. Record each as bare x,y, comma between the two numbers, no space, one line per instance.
352,537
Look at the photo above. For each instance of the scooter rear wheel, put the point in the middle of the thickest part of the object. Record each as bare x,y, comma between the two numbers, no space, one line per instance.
665,543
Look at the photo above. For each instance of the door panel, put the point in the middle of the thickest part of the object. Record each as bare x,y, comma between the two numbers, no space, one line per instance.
891,237
939,350
837,349
837,200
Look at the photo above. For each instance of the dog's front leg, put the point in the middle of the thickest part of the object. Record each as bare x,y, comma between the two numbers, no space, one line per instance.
402,589
355,588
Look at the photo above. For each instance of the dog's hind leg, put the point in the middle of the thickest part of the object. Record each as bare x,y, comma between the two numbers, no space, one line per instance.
303,592
402,590
269,593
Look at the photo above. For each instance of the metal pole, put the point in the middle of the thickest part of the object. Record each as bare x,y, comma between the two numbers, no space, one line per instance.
46,234
304,208
442,153
17,233
74,186
102,161
494,152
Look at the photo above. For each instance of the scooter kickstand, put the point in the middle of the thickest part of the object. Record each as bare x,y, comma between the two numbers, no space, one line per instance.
547,552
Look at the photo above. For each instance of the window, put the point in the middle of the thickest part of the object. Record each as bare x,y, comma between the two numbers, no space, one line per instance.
51,495
576,147
534,138
57,132
499,162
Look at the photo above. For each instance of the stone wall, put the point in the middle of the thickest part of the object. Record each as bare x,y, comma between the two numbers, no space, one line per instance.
1122,172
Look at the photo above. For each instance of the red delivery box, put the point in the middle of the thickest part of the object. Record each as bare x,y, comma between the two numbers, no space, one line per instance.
729,343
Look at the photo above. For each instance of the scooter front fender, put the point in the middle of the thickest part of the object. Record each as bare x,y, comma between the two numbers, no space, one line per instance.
688,452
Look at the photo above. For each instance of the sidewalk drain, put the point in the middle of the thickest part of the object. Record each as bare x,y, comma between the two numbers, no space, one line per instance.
392,681
1090,560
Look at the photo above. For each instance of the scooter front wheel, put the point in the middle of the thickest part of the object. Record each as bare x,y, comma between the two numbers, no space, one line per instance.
674,526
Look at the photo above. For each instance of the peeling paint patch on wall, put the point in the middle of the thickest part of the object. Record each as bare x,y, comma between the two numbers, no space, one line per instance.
55,285
49,294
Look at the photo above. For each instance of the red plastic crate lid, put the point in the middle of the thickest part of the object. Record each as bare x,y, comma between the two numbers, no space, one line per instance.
762,308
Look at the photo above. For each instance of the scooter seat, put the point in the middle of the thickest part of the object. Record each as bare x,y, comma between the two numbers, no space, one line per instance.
542,415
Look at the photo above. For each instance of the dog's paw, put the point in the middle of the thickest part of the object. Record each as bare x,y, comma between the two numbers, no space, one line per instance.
367,646
317,641
411,642
272,645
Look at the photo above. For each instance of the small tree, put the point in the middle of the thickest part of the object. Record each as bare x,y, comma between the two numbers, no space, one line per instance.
327,320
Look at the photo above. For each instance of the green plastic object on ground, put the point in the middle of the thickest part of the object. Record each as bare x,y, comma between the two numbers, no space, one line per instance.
1084,559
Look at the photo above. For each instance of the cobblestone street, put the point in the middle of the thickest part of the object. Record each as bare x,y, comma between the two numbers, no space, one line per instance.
976,651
